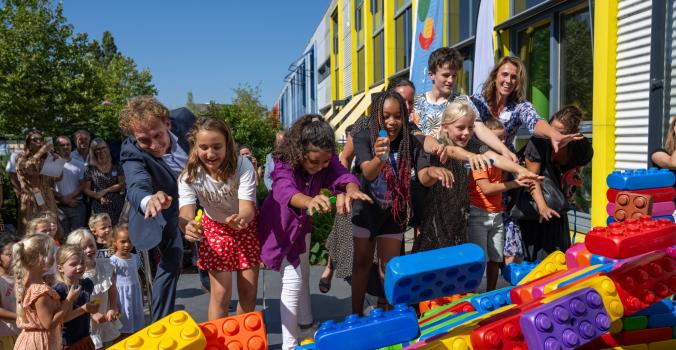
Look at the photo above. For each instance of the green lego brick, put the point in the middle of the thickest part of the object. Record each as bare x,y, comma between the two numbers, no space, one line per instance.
634,323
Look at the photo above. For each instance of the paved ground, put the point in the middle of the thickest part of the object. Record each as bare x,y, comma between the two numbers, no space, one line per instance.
334,305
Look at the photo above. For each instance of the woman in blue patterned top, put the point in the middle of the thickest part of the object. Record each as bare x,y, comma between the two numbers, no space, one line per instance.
503,96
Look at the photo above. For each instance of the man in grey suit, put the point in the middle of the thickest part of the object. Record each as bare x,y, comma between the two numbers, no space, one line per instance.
152,157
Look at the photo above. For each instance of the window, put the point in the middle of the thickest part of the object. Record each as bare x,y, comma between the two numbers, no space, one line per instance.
359,29
377,12
360,69
534,51
378,57
462,26
358,6
519,6
378,41
561,36
577,72
463,82
324,71
577,61
403,32
336,41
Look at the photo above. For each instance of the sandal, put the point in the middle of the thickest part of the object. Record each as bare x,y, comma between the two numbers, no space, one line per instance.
324,285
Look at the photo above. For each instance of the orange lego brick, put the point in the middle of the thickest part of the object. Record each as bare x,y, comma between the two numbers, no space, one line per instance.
630,205
243,332
431,304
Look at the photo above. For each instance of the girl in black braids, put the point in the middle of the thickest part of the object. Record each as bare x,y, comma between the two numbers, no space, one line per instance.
384,166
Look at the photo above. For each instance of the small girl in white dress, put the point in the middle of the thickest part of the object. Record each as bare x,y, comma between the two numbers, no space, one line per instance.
128,283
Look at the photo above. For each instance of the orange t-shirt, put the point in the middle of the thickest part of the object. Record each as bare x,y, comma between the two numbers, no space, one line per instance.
492,203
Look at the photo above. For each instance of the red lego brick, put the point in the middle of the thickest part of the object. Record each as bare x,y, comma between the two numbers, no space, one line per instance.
245,332
631,237
607,340
464,306
646,335
524,293
661,194
502,331
630,205
644,281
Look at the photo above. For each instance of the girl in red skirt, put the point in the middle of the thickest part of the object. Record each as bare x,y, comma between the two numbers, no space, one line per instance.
224,184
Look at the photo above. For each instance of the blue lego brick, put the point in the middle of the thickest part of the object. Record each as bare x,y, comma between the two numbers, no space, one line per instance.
374,331
514,272
435,273
605,268
492,300
662,320
661,307
600,260
611,219
567,322
640,179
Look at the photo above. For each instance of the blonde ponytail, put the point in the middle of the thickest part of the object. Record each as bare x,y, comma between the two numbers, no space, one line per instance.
25,254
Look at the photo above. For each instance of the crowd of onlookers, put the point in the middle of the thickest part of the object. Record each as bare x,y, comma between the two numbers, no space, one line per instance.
441,163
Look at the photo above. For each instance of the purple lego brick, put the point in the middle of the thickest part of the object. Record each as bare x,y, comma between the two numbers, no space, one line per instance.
658,209
567,322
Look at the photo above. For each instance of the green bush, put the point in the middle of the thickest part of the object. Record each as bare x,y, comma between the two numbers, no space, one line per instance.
321,227
10,205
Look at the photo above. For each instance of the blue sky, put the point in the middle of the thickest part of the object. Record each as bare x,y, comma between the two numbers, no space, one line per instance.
204,46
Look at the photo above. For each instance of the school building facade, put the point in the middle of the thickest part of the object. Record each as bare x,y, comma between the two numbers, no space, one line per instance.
614,58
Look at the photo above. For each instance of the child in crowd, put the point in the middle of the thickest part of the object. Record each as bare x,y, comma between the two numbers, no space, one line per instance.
76,326
305,163
8,328
384,165
45,222
130,301
485,226
446,212
39,313
101,226
224,183
104,323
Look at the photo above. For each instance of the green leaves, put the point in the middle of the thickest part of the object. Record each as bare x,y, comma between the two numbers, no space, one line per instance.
56,80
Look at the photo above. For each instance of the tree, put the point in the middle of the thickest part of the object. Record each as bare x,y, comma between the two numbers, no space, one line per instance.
121,80
248,119
57,81
46,81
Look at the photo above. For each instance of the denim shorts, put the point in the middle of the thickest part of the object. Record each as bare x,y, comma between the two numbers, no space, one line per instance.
486,229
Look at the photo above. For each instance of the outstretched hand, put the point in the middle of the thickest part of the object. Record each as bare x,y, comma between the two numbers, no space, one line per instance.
158,202
560,140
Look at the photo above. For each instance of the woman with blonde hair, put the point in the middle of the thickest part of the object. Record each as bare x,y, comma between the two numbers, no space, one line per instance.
104,181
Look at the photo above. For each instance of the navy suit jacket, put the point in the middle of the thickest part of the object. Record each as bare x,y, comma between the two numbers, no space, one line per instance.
146,175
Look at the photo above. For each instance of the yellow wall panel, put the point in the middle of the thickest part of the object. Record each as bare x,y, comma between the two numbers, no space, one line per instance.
603,123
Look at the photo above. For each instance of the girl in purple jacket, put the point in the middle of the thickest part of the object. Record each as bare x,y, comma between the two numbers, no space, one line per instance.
305,163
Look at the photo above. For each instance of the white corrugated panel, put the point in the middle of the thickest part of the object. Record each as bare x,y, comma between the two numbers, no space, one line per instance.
347,49
632,83
672,69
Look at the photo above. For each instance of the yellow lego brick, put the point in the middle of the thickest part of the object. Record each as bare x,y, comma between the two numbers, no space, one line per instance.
663,345
602,284
458,338
616,326
629,347
553,285
177,331
555,261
